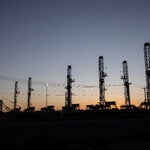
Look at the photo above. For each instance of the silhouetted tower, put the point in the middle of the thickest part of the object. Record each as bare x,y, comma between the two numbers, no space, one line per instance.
1,105
29,92
102,76
16,92
68,101
126,83
147,69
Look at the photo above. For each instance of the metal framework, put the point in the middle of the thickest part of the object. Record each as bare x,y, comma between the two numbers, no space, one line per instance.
29,92
16,92
68,99
125,78
147,70
102,76
1,105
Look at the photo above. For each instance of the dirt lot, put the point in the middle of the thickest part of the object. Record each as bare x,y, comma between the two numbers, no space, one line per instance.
88,134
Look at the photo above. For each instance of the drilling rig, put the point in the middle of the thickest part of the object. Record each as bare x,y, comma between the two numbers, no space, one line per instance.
146,103
1,105
29,105
68,101
68,94
125,78
102,76
16,92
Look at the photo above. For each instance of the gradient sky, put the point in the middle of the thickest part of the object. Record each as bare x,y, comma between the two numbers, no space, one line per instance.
40,38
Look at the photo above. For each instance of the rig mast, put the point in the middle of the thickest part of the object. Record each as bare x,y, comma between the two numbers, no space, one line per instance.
102,76
29,93
125,78
16,92
147,69
68,99
1,105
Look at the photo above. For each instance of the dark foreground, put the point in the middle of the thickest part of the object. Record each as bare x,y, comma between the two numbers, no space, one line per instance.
116,133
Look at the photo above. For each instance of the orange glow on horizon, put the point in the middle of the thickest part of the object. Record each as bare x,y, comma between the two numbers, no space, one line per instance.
56,96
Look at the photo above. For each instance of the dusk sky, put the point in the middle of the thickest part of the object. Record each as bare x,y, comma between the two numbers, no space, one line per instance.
40,38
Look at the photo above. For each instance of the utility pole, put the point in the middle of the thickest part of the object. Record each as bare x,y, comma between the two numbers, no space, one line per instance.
144,94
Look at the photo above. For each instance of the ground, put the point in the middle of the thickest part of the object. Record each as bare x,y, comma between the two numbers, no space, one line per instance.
70,134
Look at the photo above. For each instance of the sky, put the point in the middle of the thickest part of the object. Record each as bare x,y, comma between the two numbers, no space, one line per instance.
40,38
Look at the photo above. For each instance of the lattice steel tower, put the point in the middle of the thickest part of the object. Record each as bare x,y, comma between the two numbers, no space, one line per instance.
16,92
1,105
125,78
147,69
102,76
29,92
68,99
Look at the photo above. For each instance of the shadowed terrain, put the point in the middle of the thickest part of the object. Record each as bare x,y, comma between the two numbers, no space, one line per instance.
107,134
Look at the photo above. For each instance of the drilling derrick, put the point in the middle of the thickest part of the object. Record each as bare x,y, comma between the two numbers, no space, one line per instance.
16,92
147,70
68,101
102,76
1,105
126,83
29,93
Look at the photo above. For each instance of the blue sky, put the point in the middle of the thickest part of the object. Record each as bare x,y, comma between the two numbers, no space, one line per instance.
39,38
